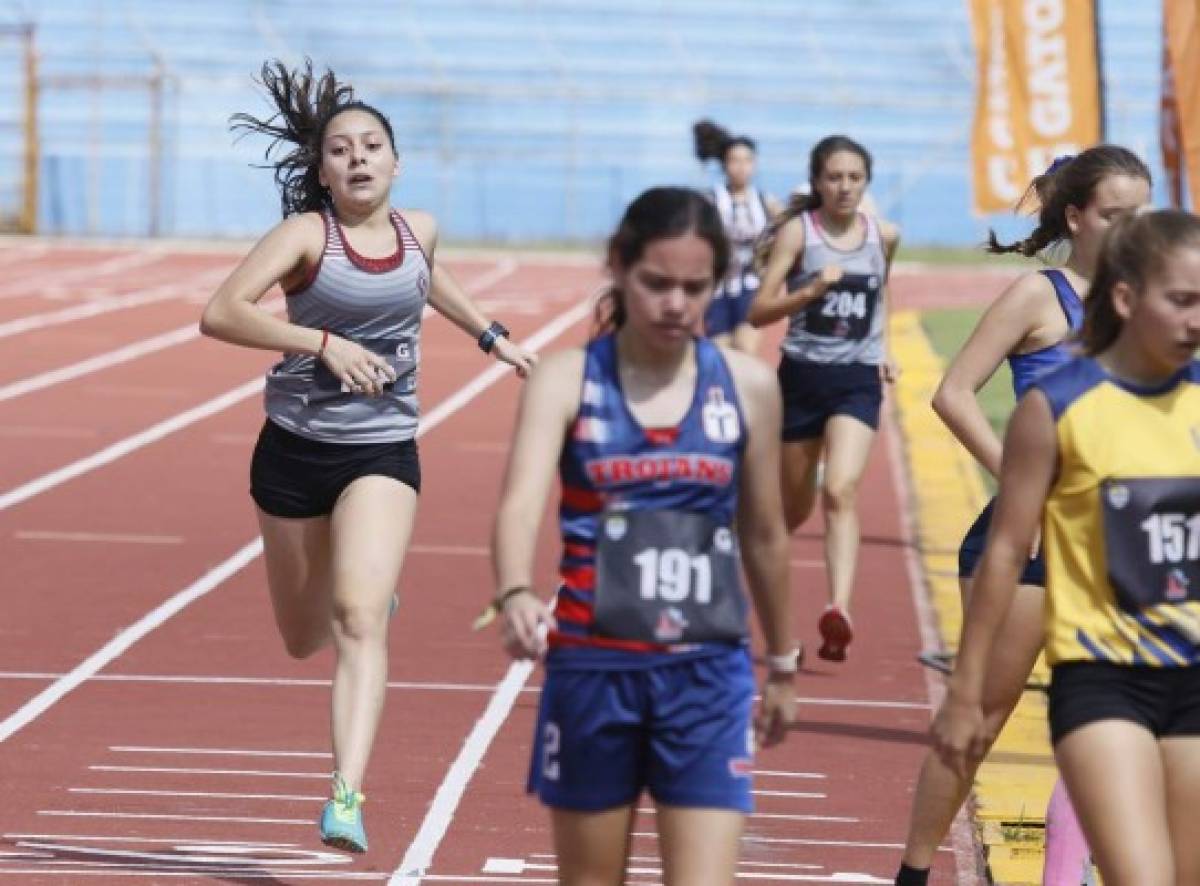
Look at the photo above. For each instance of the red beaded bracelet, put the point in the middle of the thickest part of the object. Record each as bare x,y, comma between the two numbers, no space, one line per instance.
324,341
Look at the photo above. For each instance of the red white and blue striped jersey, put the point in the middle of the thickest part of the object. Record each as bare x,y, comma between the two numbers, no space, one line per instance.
610,459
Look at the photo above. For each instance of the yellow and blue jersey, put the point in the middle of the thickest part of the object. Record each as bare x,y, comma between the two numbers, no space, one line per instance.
1121,525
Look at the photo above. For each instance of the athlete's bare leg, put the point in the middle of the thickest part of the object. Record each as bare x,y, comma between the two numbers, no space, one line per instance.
592,847
296,553
370,529
699,846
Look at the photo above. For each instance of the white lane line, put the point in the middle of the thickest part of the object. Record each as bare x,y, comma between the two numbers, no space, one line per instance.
103,537
191,770
254,681
270,876
199,853
100,361
126,638
215,795
224,752
33,283
419,855
863,703
41,702
137,299
781,816
188,841
800,795
130,444
164,816
121,448
779,773
12,254
106,360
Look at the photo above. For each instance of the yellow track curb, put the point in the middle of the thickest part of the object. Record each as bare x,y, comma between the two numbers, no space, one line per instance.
1013,786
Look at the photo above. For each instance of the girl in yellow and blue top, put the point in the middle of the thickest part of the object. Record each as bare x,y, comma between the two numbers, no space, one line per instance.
1029,326
1105,452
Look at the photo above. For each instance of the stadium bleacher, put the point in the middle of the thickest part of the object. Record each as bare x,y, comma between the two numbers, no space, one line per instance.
526,122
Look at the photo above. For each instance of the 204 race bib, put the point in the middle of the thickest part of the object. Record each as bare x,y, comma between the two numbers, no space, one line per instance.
847,308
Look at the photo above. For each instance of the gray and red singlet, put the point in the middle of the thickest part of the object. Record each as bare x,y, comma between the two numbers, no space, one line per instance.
376,302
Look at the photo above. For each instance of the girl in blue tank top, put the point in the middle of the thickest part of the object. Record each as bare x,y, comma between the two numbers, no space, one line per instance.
659,438
335,473
1030,325
745,212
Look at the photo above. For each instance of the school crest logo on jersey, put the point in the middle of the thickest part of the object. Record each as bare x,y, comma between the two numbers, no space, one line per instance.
670,625
1118,496
615,527
1177,586
723,539
720,417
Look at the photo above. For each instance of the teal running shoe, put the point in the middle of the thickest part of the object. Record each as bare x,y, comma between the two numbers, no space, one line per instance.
341,819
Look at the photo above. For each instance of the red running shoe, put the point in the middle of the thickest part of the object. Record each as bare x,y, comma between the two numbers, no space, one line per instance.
836,634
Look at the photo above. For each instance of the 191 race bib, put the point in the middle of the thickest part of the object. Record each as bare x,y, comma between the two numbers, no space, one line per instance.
668,577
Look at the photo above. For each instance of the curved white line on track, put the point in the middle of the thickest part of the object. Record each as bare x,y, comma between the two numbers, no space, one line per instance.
164,340
53,693
130,444
106,305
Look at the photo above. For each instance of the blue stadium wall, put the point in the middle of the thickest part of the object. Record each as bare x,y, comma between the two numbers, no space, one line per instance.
529,122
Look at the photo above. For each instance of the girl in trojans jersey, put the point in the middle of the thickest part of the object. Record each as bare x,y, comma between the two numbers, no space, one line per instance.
661,440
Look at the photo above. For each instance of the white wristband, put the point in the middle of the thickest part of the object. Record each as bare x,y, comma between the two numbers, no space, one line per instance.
784,664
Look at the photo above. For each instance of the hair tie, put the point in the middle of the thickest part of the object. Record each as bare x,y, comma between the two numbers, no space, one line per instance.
1058,162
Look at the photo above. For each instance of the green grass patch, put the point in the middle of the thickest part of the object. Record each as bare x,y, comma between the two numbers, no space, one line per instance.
956,255
948,329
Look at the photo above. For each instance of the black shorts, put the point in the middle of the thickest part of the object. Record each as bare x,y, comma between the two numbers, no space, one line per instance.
1164,700
971,551
293,476
814,392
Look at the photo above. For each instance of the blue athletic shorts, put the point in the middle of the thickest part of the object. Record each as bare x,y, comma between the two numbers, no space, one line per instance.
971,550
815,392
682,730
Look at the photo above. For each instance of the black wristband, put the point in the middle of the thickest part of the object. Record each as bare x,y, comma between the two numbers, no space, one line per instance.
488,338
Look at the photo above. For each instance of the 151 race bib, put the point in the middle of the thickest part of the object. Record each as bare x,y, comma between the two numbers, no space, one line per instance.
401,354
668,577
1152,539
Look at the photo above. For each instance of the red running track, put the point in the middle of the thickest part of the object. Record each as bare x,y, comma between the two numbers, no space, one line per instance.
151,727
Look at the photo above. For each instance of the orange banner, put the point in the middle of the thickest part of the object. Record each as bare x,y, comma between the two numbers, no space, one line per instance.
1038,92
1180,115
